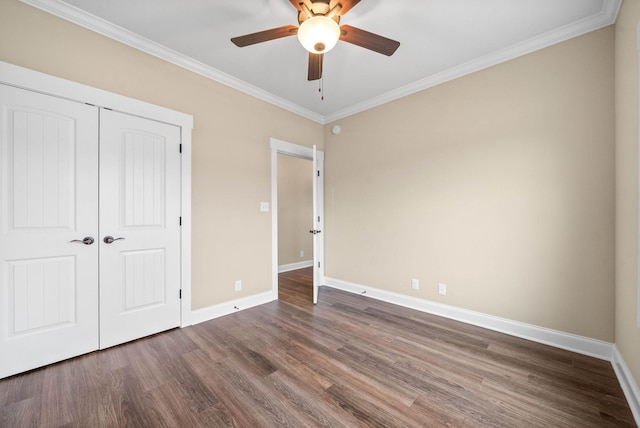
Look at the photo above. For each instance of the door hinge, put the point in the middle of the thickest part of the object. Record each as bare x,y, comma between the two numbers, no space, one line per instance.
180,148
318,173
180,293
318,264
180,221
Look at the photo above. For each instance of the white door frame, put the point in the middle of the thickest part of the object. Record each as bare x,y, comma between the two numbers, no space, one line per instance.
285,148
35,81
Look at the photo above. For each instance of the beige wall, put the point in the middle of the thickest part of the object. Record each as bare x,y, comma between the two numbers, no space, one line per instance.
295,209
627,75
499,184
231,155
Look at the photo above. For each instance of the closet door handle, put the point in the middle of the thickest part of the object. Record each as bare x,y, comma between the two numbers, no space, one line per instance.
111,239
86,241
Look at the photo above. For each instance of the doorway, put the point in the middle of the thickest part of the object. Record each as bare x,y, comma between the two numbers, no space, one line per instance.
295,215
316,220
295,211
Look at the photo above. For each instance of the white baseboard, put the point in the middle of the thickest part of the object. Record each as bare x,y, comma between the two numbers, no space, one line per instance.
628,384
226,308
295,266
580,344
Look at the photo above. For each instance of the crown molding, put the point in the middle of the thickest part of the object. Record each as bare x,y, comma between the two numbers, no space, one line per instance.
107,29
607,16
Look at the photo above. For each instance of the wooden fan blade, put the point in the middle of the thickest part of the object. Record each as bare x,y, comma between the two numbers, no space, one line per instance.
265,36
296,4
315,66
346,5
368,40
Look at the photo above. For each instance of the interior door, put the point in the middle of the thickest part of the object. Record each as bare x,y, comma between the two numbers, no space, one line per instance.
318,222
139,241
48,225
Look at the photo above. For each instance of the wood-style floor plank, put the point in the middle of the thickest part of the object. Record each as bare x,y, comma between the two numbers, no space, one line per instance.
349,361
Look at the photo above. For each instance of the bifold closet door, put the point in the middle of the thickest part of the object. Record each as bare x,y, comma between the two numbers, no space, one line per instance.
140,181
48,229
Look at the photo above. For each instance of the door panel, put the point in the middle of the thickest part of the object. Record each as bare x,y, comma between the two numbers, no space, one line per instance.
48,191
41,294
140,203
318,221
144,279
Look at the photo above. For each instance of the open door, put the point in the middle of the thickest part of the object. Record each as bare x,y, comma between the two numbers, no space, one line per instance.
318,223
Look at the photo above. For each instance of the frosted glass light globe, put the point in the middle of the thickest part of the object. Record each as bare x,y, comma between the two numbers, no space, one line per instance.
319,34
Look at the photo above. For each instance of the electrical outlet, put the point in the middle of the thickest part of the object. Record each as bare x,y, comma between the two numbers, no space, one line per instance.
238,285
442,289
301,254
415,284
264,207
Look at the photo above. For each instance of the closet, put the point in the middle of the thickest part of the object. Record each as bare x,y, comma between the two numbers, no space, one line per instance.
90,228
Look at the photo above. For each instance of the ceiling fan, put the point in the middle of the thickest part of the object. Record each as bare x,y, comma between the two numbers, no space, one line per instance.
319,31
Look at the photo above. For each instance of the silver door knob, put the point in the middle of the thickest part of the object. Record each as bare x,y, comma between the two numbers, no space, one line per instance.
86,241
110,239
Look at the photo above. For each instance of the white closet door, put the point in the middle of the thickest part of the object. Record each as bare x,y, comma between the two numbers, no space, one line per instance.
48,194
140,209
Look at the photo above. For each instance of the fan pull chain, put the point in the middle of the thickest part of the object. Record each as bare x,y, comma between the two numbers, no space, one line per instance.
321,89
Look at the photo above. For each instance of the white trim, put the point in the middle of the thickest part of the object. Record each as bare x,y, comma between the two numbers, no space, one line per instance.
580,344
638,197
274,218
51,85
186,228
290,149
43,83
115,32
70,13
206,314
295,266
628,384
606,17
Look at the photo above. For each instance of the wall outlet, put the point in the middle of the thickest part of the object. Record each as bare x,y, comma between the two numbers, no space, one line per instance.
264,207
301,254
415,284
238,285
442,289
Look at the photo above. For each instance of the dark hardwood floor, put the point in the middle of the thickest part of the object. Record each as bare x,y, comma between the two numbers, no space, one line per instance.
349,361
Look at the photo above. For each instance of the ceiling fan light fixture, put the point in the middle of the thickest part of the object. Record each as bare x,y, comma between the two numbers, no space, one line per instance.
319,34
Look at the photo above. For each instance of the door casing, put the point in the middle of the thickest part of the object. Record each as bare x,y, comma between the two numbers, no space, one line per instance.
286,148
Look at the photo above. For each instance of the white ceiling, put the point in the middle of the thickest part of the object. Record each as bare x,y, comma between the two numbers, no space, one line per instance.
440,40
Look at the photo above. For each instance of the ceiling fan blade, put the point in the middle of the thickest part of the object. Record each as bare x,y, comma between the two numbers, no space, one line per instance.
265,36
296,4
368,40
346,5
315,66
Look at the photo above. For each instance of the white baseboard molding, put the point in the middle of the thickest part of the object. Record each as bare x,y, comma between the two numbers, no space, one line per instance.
226,308
295,266
628,384
580,344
